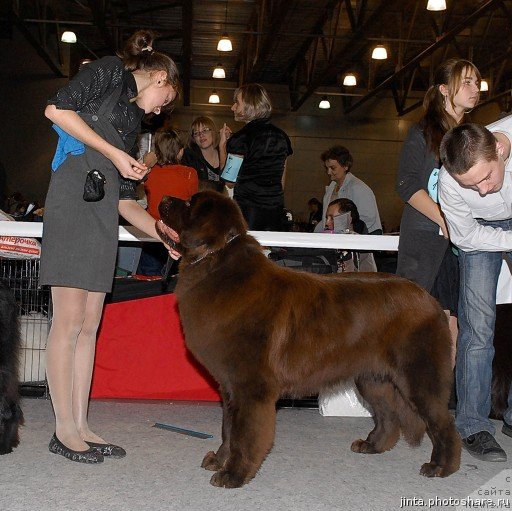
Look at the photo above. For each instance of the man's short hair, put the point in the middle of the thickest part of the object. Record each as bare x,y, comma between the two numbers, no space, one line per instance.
340,154
465,145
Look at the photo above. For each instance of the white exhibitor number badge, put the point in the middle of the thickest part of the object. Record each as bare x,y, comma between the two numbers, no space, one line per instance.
232,167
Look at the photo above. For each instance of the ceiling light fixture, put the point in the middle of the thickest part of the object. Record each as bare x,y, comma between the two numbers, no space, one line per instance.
224,43
349,80
324,103
68,37
219,72
484,86
436,5
214,97
379,53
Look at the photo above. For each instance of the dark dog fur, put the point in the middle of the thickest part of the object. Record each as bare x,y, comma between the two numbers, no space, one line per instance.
502,363
10,412
264,331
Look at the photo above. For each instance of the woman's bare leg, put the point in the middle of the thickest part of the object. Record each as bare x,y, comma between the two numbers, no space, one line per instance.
84,363
69,306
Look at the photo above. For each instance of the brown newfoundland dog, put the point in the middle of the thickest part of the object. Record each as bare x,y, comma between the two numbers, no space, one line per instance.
264,331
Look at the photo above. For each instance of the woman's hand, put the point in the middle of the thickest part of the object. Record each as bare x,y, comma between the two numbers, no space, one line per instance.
172,253
127,166
173,235
225,132
73,124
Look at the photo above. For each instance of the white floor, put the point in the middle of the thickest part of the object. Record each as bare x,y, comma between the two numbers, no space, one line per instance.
310,468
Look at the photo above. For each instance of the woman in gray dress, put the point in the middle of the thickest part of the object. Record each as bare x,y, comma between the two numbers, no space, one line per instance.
424,253
97,116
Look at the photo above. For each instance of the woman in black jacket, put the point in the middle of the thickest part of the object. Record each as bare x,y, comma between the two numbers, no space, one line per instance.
264,148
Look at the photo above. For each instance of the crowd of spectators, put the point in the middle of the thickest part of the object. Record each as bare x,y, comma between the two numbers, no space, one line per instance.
22,208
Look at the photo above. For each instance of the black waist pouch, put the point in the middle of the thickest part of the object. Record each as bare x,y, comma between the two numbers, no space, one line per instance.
94,188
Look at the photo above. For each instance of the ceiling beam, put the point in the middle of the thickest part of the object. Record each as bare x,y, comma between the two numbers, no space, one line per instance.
36,44
350,13
317,28
343,58
278,17
98,15
427,52
153,9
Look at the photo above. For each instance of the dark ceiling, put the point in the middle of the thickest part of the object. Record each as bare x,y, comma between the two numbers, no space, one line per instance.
306,45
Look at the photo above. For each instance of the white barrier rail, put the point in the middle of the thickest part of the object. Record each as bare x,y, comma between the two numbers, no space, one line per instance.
277,239
266,238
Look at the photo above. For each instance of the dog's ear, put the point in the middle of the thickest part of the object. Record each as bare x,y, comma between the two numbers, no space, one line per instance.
202,227
214,219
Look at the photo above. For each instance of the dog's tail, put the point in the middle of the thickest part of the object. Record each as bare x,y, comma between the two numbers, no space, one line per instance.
411,424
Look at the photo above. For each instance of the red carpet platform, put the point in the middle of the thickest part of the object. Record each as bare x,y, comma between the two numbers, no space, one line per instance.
141,354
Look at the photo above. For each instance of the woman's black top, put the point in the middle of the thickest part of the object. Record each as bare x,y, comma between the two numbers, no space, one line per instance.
87,90
265,148
193,157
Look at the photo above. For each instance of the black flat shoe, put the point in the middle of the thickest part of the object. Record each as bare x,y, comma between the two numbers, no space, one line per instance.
108,450
88,456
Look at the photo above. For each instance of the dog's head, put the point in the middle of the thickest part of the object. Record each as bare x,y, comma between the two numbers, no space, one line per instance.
205,224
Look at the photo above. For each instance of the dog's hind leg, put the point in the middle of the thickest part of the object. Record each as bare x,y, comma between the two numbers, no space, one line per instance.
426,388
446,443
251,437
380,395
215,460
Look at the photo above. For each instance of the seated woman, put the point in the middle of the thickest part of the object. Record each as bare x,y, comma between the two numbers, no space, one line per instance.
168,177
349,260
202,153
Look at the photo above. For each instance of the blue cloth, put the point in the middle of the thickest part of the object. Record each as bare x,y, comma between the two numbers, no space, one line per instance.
66,145
479,272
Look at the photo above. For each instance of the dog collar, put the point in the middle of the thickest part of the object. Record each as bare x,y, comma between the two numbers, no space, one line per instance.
206,254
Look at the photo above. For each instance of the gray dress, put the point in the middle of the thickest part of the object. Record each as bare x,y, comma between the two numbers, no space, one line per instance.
80,238
424,256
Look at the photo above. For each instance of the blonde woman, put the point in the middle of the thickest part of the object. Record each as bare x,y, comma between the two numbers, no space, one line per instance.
264,148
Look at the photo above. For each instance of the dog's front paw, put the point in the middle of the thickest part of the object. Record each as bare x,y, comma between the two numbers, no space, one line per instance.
226,479
363,447
210,462
434,470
